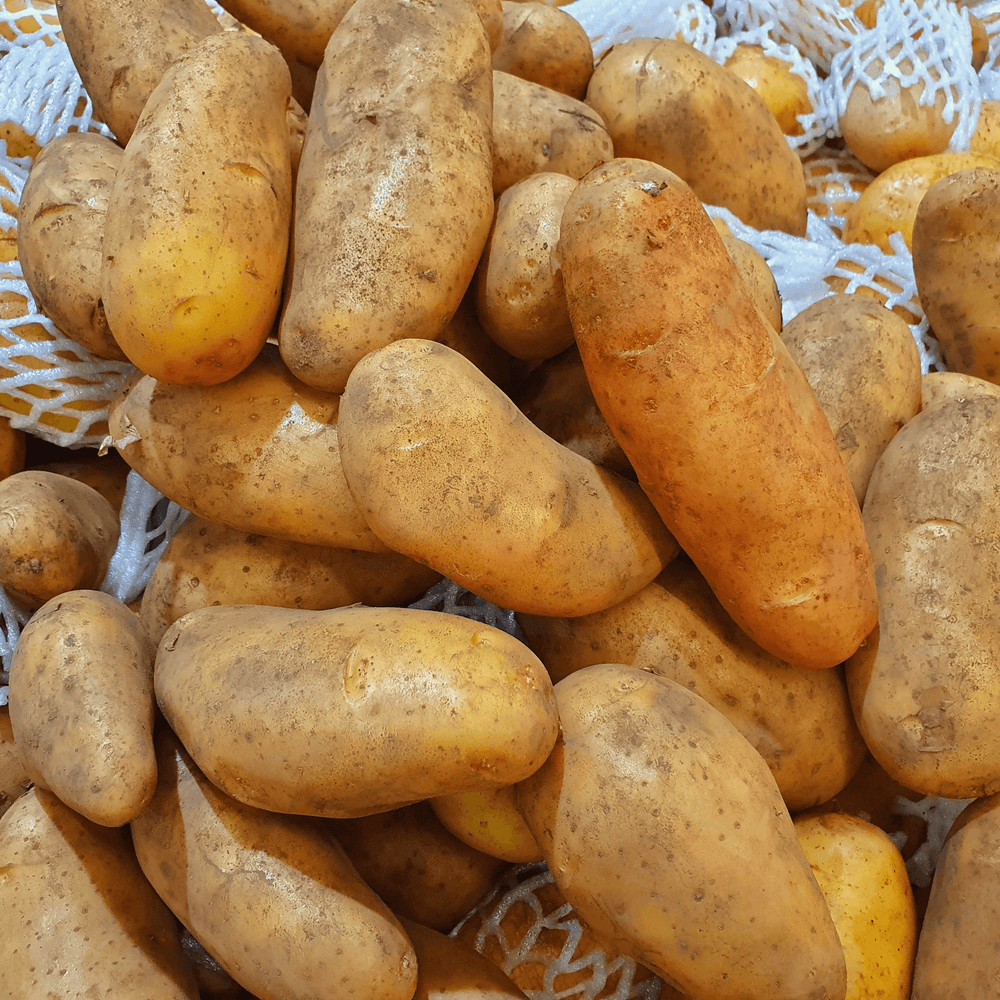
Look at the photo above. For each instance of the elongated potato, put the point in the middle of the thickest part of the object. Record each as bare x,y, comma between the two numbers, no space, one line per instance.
199,216
723,431
490,822
258,453
271,897
667,102
449,472
82,705
77,916
648,811
467,705
415,122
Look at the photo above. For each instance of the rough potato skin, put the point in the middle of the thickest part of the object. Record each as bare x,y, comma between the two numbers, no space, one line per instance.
721,427
394,200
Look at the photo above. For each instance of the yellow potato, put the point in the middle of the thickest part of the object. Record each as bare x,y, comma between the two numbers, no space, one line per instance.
785,92
757,277
986,138
867,889
199,216
12,448
14,778
490,822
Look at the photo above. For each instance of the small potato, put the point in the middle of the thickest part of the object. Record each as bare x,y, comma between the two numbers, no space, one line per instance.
956,264
61,231
757,277
784,91
82,705
12,448
519,295
864,366
889,204
467,706
207,565
667,102
867,889
421,870
14,777
538,130
108,474
77,916
545,45
447,471
490,822
275,901
466,335
56,535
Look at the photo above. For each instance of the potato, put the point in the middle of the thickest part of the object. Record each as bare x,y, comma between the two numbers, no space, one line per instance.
889,204
207,565
408,181
867,889
545,45
467,706
447,471
864,366
757,276
60,233
939,387
121,57
956,264
77,916
258,453
724,433
519,295
466,335
648,811
198,218
12,448
14,778
272,898
922,685
108,474
986,138
82,705
799,721
667,102
56,535
416,865
490,822
785,92
538,130
957,954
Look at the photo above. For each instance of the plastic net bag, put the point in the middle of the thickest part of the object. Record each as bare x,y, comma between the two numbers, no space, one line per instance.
611,24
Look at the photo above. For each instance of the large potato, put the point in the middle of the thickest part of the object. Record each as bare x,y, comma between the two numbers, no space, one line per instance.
397,153
667,102
447,471
664,828
199,216
352,711
718,421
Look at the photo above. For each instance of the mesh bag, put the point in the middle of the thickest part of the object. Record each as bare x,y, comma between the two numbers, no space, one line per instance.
834,180
610,24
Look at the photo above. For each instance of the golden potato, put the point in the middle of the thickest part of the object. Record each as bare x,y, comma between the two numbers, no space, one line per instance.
468,706
648,773
12,448
82,705
14,778
108,474
757,277
199,216
56,535
785,92
490,822
667,102
986,137
447,471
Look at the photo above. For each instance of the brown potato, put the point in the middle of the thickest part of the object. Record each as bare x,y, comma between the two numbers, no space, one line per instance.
82,705
538,130
864,366
799,721
468,706
77,916
12,448
545,45
422,871
108,474
56,535
447,471
60,231
207,565
649,774
757,277
358,285
14,778
272,898
258,453
667,102
718,421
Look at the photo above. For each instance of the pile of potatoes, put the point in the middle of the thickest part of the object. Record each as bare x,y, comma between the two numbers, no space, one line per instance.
417,294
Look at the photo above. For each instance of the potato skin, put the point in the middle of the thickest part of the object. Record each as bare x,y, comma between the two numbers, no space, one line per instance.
60,233
199,216
407,240
14,778
667,102
82,705
468,705
646,771
720,425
